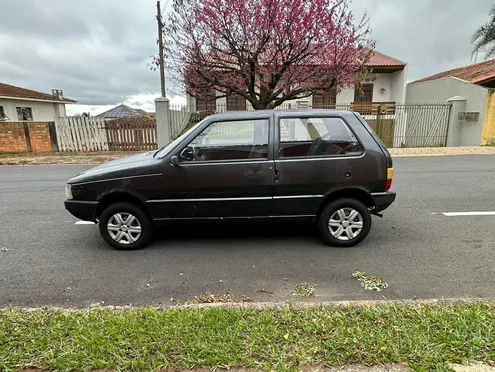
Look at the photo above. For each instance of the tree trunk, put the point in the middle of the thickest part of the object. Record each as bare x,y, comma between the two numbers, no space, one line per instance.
257,105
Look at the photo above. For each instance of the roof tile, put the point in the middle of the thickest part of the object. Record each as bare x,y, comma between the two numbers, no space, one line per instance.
476,73
121,111
7,90
381,60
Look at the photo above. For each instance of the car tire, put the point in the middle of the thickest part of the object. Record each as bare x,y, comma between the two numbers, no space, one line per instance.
125,226
344,222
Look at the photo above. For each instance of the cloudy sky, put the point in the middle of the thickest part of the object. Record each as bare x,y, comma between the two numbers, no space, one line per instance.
98,51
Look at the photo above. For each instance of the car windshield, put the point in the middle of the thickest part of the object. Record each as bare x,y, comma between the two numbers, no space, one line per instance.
165,149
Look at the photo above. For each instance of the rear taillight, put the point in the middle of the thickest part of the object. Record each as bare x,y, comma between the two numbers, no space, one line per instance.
390,175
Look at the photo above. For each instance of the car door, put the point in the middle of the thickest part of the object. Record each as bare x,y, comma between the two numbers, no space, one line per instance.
226,171
315,156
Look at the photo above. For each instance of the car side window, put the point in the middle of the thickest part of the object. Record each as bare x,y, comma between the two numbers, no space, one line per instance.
229,140
307,137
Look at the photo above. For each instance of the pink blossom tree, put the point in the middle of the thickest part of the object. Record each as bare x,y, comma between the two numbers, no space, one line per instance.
267,51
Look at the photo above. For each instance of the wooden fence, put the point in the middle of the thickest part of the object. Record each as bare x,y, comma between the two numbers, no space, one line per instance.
81,134
97,134
137,133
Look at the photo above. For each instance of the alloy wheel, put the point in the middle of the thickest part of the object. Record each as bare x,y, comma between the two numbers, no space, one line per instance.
345,224
124,228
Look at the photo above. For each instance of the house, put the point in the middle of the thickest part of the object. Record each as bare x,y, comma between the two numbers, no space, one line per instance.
20,104
388,87
480,74
121,111
469,88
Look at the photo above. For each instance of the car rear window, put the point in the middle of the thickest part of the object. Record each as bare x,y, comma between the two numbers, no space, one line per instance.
316,136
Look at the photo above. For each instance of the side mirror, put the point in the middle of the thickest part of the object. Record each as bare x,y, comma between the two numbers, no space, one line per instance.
174,160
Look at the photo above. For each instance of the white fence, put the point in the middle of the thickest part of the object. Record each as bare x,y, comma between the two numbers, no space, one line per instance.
81,134
179,118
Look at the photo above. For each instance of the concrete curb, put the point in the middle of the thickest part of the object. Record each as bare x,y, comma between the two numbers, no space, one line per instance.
443,151
309,305
277,305
435,155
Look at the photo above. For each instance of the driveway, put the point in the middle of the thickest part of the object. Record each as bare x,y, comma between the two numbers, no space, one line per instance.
418,250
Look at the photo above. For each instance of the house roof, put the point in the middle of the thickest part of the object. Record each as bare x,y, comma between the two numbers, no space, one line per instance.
475,74
382,60
377,59
12,91
121,111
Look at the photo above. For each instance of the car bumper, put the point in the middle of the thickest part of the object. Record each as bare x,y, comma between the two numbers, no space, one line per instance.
382,200
84,210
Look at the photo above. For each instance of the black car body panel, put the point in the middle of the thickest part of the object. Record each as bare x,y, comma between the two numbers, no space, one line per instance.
383,200
266,184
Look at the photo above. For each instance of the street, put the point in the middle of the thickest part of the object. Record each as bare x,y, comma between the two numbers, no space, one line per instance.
419,251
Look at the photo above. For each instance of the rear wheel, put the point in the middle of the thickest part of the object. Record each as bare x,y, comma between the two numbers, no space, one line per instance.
344,222
125,226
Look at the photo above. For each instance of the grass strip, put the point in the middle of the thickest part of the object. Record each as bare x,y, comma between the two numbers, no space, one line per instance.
144,339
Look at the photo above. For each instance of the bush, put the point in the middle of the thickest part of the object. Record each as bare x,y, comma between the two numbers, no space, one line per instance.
197,116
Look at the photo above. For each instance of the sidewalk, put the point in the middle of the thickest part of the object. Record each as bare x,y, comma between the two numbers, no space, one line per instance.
103,157
443,151
92,158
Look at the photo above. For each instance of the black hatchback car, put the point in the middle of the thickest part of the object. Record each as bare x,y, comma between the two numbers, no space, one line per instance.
324,166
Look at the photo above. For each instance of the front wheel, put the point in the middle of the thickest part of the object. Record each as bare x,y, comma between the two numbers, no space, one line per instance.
344,222
125,226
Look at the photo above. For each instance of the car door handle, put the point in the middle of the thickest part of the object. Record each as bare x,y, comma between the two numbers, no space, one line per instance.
277,176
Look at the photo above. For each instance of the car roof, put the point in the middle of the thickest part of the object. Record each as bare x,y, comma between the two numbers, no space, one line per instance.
281,113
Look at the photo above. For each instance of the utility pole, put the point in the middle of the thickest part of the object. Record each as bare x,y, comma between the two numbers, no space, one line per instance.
160,48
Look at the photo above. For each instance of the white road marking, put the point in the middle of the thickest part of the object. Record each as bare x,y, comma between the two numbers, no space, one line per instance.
458,214
84,223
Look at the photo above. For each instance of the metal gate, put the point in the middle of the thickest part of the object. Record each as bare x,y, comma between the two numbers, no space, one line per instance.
420,125
397,124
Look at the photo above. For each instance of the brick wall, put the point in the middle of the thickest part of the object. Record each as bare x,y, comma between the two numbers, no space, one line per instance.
39,134
13,138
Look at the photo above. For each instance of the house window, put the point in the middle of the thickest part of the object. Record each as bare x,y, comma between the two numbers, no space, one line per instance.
24,113
206,101
2,113
235,102
327,99
364,93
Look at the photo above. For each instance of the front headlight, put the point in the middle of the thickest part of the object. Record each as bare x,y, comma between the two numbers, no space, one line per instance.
68,191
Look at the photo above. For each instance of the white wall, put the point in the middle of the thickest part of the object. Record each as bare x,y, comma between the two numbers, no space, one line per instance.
294,102
398,83
382,81
346,95
59,109
393,83
42,111
468,132
442,89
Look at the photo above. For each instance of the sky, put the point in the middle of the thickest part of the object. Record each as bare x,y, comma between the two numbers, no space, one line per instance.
98,51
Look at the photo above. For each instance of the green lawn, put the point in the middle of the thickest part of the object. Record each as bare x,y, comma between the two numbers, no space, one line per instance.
425,337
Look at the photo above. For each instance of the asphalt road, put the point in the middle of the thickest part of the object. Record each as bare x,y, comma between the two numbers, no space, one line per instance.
420,252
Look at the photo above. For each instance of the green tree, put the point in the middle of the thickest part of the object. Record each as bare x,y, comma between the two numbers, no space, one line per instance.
484,37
